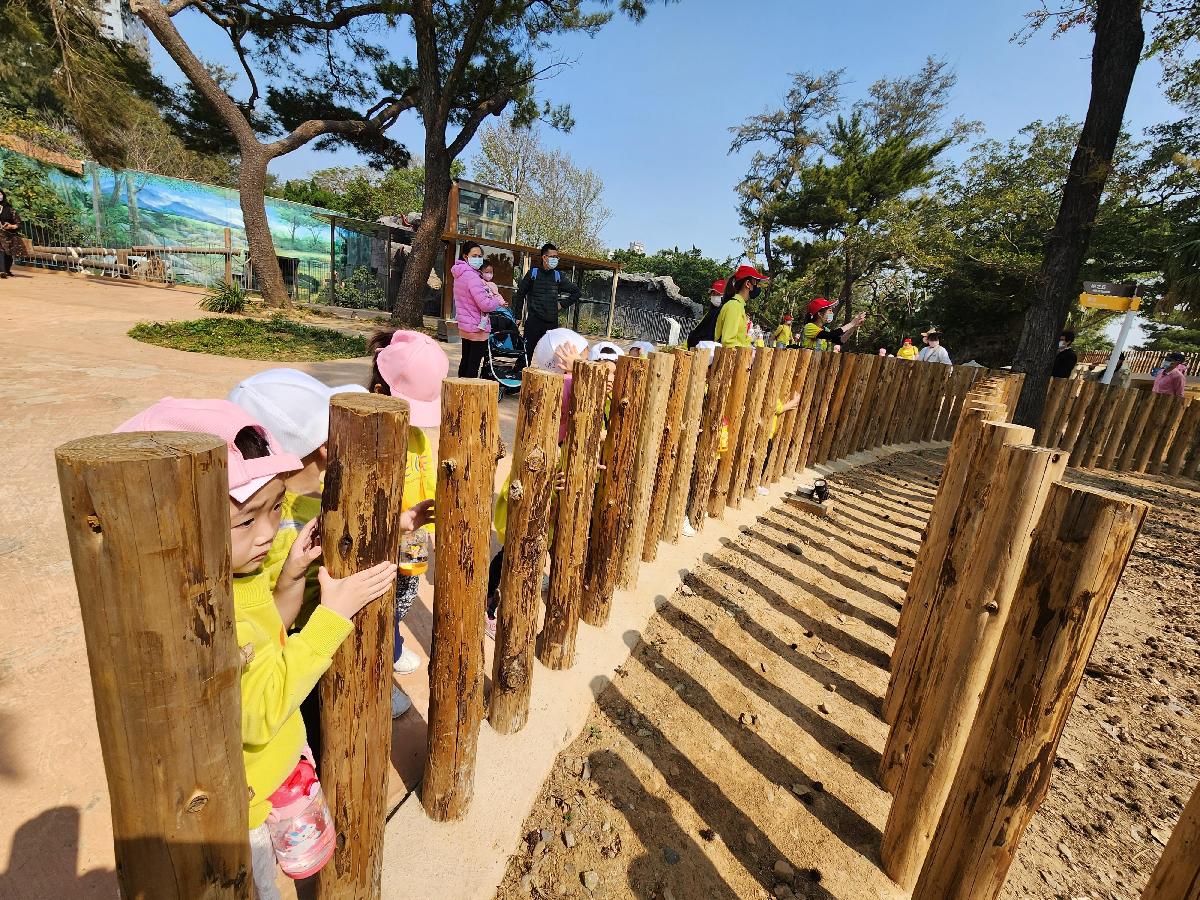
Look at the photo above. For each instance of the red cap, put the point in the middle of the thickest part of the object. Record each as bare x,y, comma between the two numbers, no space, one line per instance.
908,340
749,272
787,317
819,304
718,286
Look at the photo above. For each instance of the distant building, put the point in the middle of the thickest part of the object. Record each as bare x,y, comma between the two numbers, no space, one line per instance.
637,247
483,211
118,21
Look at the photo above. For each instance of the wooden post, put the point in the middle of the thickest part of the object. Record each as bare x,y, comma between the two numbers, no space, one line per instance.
228,257
468,444
645,465
1091,439
1085,409
846,376
904,382
1058,400
610,513
668,452
934,723
820,408
1177,875
148,526
1158,423
783,373
1060,599
531,487
735,411
860,410
720,382
771,398
788,433
752,423
864,415
941,390
1116,437
1165,434
973,455
689,437
360,515
1186,437
1137,427
802,434
881,407
843,425
573,515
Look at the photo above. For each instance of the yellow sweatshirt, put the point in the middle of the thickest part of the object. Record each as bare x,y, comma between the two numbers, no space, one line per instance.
731,324
420,473
278,672
906,351
782,334
298,510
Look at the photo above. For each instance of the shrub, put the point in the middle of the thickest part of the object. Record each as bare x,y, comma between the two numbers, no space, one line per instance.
224,298
360,291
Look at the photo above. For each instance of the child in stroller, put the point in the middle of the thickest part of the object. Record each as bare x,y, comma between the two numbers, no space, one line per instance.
505,352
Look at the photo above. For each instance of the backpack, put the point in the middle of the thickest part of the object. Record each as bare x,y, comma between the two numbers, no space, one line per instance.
533,274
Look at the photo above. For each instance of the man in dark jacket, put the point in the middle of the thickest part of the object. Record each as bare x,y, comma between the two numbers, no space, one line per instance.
543,285
1066,360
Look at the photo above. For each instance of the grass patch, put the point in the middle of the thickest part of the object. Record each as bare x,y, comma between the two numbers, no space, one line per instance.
278,339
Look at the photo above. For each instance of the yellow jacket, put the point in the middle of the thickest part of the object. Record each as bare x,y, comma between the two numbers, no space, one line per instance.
732,324
906,351
420,473
782,334
298,510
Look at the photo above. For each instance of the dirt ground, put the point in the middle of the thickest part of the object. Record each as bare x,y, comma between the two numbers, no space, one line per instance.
734,755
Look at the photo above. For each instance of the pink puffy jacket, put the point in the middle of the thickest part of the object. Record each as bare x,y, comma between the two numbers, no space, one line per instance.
472,300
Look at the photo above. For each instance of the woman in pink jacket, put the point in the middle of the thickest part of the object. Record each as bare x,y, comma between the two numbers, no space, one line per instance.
1173,379
472,302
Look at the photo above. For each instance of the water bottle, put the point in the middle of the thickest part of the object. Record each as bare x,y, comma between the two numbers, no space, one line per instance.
301,827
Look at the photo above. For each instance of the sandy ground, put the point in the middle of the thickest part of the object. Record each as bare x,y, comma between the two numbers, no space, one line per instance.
734,755
68,370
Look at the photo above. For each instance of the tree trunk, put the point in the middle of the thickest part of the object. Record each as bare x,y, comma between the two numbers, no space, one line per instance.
427,239
252,184
1115,55
768,248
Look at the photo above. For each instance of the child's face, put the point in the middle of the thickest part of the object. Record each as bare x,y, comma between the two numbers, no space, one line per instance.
252,526
610,368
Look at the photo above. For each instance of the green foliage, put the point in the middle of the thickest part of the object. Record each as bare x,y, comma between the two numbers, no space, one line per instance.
224,298
1171,337
693,272
279,339
360,291
362,192
36,201
31,127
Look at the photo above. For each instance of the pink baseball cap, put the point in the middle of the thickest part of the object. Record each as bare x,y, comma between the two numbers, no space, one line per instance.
225,420
414,367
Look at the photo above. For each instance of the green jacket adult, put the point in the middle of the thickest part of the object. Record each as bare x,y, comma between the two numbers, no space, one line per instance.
542,288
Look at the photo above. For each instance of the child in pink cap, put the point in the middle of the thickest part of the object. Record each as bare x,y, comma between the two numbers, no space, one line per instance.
278,670
412,366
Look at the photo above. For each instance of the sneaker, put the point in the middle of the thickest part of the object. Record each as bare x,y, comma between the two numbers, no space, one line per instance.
762,490
687,530
408,662
400,702
489,627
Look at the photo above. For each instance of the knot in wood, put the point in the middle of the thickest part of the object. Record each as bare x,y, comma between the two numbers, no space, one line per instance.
535,461
501,449
93,522
516,491
450,466
513,674
198,802
992,607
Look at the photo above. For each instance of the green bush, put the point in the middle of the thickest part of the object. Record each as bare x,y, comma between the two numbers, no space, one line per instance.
278,338
224,298
360,291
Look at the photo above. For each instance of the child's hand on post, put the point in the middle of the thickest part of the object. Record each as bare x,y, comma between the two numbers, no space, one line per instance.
417,517
346,596
305,549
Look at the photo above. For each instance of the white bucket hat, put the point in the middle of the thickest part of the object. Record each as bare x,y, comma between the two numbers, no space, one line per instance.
605,350
551,341
292,405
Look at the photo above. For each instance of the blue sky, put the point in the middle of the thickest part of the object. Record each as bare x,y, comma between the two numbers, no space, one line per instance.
653,102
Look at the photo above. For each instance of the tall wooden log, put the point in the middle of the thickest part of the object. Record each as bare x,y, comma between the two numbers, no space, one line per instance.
1146,405
468,445
822,421
863,401
360,528
942,391
1056,426
531,488
1115,441
610,512
752,424
802,433
771,400
668,453
781,390
1075,560
973,456
934,722
1187,437
882,410
1084,410
1164,419
846,377
903,405
645,466
735,412
1091,440
147,519
791,383
573,515
1177,875
706,469
689,436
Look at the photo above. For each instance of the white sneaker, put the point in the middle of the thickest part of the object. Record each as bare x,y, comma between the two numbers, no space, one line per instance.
400,702
408,662
687,530
762,490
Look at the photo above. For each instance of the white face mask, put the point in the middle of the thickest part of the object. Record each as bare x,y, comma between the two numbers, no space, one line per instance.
828,317
475,262
1062,345
552,262
715,299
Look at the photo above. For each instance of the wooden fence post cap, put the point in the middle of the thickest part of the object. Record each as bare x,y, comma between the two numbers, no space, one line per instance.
363,404
131,446
539,375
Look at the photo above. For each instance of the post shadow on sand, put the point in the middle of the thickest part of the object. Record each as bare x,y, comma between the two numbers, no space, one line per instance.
888,629
841,539
908,551
902,544
797,658
869,489
847,643
865,517
651,818
43,860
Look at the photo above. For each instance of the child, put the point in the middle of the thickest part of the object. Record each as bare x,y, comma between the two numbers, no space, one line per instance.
278,671
819,332
907,350
641,348
782,336
411,365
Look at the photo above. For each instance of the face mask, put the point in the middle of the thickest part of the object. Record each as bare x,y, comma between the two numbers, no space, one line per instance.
715,300
475,262
828,317
1062,344
488,276
754,292
552,262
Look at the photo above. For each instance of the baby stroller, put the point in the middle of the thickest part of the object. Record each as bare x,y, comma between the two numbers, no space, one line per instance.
505,352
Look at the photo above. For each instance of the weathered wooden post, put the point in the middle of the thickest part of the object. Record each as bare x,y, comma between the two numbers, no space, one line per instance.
689,437
1081,412
610,513
934,722
668,453
864,405
768,446
820,409
806,421
1161,407
1186,437
645,467
901,409
1116,437
735,411
893,377
720,382
147,519
751,416
468,444
573,515
1060,599
1091,438
1177,875
846,377
1146,405
531,488
788,433
360,518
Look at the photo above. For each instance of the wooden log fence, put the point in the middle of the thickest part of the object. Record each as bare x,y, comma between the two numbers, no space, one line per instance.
1141,362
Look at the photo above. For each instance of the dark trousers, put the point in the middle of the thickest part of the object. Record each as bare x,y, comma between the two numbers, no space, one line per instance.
534,330
8,261
473,355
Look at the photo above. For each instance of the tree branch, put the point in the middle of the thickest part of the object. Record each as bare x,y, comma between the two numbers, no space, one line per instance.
494,105
465,51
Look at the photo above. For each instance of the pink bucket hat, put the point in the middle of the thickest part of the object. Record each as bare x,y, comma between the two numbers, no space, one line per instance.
414,367
225,420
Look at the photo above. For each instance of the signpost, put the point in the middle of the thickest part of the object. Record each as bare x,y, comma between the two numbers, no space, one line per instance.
1118,298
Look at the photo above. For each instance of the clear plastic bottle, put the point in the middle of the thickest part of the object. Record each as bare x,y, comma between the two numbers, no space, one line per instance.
414,553
301,827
